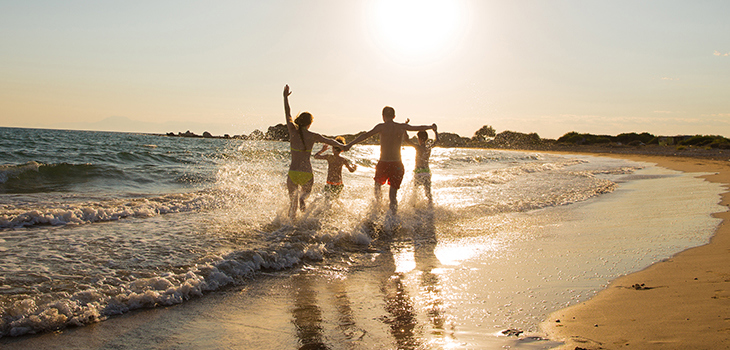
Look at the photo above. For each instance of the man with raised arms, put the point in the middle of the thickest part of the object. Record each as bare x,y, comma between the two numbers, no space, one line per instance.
390,167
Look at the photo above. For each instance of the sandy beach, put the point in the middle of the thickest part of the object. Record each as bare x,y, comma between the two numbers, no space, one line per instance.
681,303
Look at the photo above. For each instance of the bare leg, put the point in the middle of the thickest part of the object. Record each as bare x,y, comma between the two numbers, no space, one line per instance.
393,199
377,192
306,190
292,187
427,188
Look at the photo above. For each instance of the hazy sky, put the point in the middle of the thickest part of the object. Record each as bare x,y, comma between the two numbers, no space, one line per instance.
602,67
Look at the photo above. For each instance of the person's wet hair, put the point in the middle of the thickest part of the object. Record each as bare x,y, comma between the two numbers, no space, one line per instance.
303,119
339,139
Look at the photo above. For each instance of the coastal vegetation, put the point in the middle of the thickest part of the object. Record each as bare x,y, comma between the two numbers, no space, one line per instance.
634,139
487,137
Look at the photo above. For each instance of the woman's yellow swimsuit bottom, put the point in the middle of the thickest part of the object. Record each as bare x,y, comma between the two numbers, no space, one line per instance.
300,177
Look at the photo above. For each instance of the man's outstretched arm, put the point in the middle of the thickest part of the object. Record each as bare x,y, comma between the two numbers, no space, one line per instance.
410,127
363,137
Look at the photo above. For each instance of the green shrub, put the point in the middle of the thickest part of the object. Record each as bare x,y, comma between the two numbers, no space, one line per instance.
571,137
698,140
628,138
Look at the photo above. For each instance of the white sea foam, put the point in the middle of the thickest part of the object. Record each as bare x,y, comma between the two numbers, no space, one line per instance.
33,315
111,210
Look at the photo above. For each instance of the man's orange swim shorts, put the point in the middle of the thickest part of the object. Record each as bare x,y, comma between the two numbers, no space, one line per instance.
390,171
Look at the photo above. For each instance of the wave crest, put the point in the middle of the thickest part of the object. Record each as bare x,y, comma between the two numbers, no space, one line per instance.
110,297
112,210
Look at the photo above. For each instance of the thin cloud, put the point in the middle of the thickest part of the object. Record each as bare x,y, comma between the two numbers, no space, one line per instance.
718,53
668,78
716,115
715,120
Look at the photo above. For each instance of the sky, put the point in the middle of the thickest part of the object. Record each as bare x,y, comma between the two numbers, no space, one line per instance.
550,67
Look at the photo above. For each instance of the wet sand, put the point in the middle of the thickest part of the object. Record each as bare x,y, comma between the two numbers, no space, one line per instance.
680,303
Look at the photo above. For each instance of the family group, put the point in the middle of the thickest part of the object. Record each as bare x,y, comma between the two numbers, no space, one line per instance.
389,168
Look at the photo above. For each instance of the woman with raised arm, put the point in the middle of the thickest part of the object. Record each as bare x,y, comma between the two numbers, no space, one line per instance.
300,178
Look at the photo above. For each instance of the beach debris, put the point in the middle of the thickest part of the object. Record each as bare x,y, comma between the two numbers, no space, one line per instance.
641,287
512,332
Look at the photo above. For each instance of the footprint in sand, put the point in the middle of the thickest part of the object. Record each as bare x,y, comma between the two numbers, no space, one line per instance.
721,294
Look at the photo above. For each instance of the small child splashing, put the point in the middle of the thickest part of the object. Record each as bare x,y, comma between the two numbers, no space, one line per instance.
334,168
422,173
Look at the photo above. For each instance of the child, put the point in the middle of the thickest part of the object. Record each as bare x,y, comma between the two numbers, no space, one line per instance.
334,169
422,173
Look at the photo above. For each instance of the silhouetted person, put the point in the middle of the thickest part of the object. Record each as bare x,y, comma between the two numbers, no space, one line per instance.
335,162
301,141
390,167
422,173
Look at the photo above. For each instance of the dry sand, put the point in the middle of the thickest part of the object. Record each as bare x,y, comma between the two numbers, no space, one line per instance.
680,303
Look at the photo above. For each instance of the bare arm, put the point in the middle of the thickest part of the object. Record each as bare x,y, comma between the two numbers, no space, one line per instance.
350,166
436,137
319,155
363,137
327,140
287,109
410,127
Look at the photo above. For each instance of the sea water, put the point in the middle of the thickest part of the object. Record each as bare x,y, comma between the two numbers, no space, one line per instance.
96,224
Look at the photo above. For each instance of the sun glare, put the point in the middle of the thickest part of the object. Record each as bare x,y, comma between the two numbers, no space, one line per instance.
417,31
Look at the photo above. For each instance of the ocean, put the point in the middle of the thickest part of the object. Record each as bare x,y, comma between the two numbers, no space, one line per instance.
94,225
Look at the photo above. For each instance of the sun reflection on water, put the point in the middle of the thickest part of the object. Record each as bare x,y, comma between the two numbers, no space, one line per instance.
452,254
404,260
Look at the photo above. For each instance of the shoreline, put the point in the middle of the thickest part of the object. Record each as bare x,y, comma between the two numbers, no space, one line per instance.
682,302
310,299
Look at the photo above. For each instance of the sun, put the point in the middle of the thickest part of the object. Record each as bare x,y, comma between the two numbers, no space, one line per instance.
417,31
